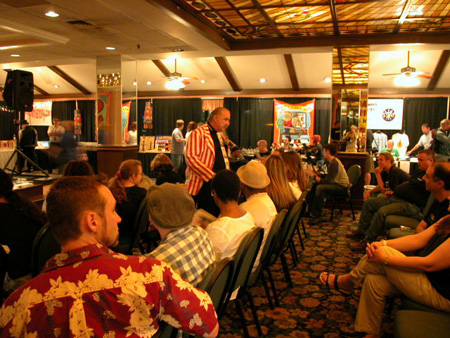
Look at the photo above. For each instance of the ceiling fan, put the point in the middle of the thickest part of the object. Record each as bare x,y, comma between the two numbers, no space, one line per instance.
411,71
176,81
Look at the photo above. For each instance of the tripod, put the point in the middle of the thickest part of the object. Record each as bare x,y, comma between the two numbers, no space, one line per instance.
20,154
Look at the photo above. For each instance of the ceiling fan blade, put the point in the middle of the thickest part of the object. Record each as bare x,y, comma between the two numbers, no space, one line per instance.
425,76
189,78
391,74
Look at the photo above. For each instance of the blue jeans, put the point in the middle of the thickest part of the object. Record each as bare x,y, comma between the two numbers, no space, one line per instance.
177,159
376,209
323,190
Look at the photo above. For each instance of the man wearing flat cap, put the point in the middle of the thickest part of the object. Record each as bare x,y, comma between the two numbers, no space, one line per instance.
254,181
186,247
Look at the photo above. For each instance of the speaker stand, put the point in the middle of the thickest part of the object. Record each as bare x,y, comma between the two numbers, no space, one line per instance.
17,172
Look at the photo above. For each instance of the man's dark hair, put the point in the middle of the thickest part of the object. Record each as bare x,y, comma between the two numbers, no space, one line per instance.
68,199
332,148
442,173
78,168
426,125
388,157
227,185
429,153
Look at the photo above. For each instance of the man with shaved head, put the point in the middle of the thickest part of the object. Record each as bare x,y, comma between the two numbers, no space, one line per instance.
206,154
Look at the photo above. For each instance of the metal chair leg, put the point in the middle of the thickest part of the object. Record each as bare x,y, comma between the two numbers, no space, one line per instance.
266,288
332,209
300,235
285,266
293,252
304,229
239,308
274,290
253,308
351,207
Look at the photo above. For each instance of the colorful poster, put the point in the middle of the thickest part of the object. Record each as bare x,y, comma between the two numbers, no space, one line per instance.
103,111
385,114
77,121
294,120
125,118
148,115
41,114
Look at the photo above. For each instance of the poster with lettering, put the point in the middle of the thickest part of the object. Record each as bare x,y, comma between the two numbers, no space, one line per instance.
41,115
385,114
294,120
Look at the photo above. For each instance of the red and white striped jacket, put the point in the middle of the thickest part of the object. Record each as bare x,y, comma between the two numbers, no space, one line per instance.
200,156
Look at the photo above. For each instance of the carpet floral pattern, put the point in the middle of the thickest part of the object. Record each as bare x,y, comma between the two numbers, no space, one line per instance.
308,309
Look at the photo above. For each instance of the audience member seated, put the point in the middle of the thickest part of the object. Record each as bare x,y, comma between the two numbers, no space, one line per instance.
163,166
335,183
227,231
254,181
263,151
317,149
387,174
128,196
187,248
88,290
286,146
78,168
390,149
407,199
385,272
279,190
20,222
295,172
236,160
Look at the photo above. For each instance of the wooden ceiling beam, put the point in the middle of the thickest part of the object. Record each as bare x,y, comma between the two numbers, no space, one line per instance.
342,40
267,17
334,18
403,16
161,67
228,72
445,55
291,70
69,79
190,20
36,88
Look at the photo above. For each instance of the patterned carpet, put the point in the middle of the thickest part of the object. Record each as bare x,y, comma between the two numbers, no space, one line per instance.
308,309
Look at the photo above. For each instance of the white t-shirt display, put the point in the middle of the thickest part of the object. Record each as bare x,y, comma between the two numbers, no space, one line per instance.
379,141
401,143
226,234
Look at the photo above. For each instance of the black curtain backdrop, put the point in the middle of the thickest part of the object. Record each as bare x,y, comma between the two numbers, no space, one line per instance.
7,126
64,110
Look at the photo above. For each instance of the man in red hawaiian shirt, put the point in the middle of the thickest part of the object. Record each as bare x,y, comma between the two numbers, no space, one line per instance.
88,290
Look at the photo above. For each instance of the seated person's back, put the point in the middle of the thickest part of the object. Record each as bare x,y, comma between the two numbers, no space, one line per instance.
234,222
187,248
128,196
163,166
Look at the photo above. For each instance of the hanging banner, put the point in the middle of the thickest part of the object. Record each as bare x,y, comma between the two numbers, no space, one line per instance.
103,112
385,114
41,114
125,118
77,121
294,120
148,115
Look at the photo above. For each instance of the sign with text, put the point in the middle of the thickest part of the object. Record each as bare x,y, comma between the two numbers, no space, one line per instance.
385,114
41,114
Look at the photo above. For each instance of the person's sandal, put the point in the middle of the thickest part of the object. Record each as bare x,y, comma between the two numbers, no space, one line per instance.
334,286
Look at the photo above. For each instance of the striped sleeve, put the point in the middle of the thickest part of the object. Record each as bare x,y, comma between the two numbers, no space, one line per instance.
198,158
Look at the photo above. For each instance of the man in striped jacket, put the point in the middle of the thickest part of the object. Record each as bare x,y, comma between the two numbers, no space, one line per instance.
206,154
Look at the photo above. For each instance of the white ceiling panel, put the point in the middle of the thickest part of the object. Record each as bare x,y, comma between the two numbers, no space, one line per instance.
249,69
312,69
444,81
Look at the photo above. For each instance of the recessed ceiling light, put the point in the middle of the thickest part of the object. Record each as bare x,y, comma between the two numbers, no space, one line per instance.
8,47
111,48
262,80
327,79
149,83
56,86
52,14
15,55
202,81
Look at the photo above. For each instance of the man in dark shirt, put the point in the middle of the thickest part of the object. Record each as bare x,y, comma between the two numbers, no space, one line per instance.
28,139
408,199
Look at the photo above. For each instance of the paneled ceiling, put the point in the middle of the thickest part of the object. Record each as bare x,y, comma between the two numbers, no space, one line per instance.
230,45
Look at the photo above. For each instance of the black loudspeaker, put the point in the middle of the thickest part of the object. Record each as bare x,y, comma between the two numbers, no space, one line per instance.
19,90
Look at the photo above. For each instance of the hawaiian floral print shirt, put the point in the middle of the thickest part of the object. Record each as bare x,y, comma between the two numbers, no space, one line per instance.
94,292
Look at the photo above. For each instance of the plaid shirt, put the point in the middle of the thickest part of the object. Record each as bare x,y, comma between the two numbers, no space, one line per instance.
188,250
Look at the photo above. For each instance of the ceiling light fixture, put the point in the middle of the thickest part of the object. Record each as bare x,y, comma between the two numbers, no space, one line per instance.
262,80
134,83
406,80
56,86
52,14
8,47
111,48
175,84
202,81
327,79
15,55
149,83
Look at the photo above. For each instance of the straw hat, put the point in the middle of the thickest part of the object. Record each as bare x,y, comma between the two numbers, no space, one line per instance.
254,175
